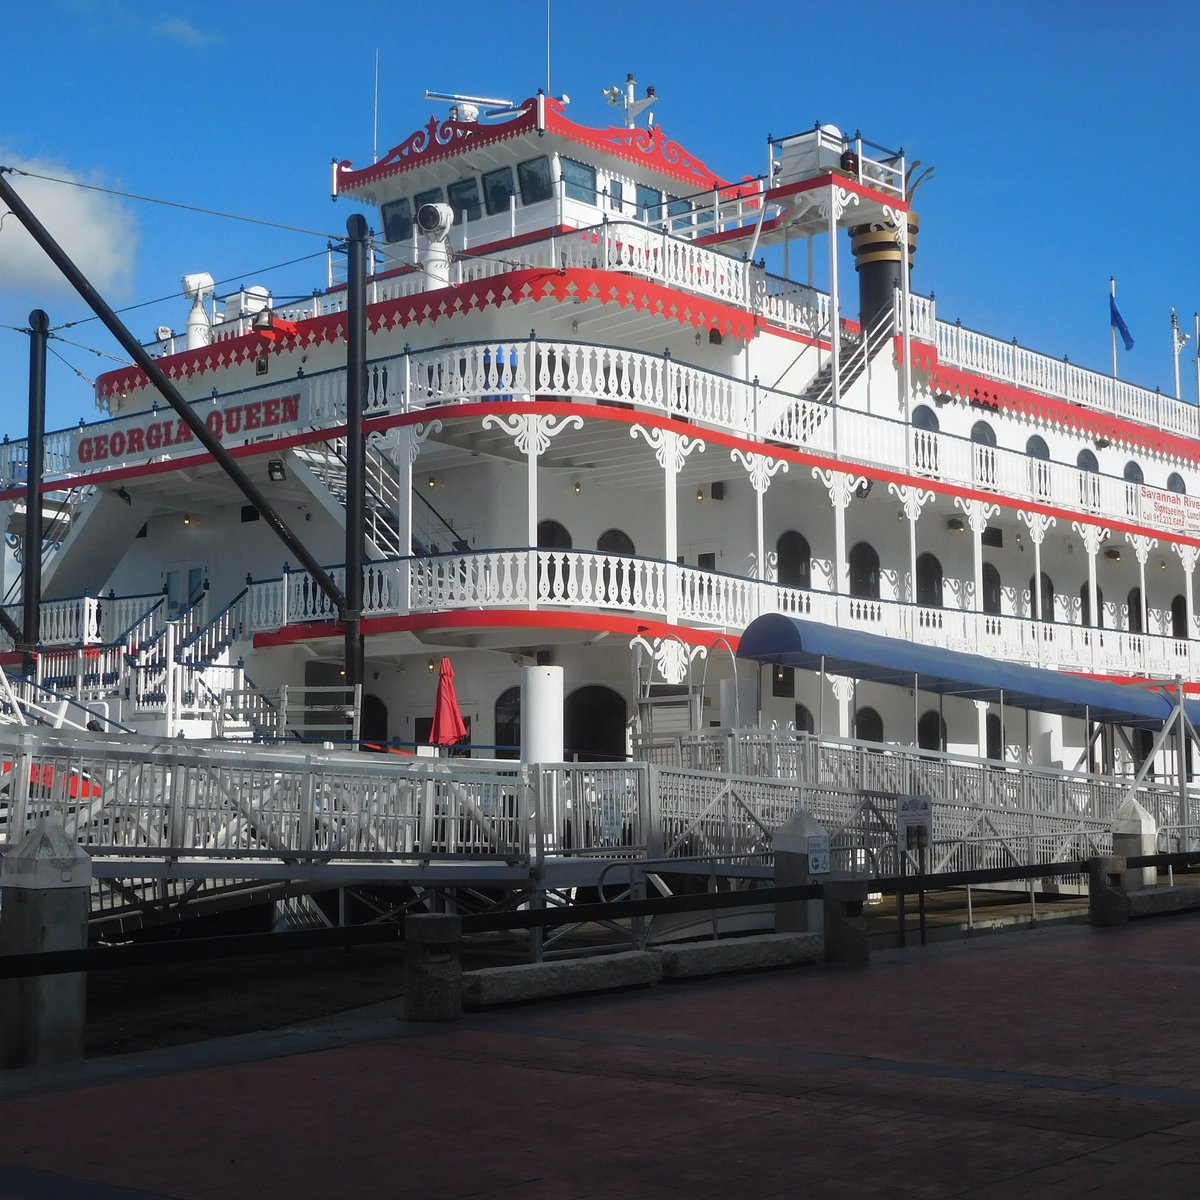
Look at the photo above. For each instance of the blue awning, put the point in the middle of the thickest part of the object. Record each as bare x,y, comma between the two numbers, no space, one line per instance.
812,646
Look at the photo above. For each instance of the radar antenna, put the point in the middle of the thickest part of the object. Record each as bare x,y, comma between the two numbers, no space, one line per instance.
623,97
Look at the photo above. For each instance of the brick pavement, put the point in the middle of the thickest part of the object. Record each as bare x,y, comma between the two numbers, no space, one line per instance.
1064,1061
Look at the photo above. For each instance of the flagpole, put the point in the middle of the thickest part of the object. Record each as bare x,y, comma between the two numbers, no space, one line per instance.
1196,346
1176,346
1112,329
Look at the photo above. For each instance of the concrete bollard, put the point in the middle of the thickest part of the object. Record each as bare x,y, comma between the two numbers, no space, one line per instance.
432,970
845,925
1108,902
45,886
1134,833
790,844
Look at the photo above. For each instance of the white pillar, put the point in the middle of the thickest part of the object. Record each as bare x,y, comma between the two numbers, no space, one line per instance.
541,714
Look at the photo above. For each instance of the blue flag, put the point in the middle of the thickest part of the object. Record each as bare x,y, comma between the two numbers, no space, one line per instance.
1118,322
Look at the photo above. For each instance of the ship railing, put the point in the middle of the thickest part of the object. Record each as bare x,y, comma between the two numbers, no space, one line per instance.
539,368
968,785
144,798
654,252
203,643
535,578
960,347
96,620
138,799
822,149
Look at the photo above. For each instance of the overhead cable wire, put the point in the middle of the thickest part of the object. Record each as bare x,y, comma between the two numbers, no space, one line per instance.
209,212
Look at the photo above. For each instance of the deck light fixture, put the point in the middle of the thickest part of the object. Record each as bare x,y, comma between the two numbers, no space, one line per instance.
275,470
1112,554
187,518
956,525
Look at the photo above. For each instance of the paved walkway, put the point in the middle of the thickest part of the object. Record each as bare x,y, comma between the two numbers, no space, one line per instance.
1059,1062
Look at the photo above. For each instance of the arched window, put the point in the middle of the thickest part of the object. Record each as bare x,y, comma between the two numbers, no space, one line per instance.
925,443
929,581
864,571
615,576
1043,604
1179,617
793,560
552,536
1039,465
868,725
995,739
991,589
984,452
507,727
1175,484
1133,473
931,731
1134,602
614,541
923,417
1134,478
1089,486
1085,605
804,719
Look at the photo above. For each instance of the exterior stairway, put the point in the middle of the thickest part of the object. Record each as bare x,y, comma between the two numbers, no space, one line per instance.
800,421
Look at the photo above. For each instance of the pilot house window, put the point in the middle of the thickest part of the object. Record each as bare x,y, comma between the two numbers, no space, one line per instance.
498,190
533,179
579,180
397,221
464,199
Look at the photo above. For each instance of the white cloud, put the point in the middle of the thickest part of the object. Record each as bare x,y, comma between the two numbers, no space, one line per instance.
184,31
92,227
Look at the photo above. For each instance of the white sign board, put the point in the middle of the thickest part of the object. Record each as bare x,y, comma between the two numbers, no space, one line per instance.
818,854
914,822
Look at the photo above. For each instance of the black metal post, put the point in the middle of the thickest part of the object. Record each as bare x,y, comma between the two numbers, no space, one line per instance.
167,390
356,386
31,574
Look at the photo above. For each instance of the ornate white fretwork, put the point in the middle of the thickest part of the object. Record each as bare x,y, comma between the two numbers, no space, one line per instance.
836,198
672,657
840,486
1090,535
1037,523
843,687
760,466
912,499
669,448
418,435
532,431
1142,545
1187,555
977,512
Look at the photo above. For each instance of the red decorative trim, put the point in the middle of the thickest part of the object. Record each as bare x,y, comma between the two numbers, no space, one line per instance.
1063,414
443,139
435,140
647,147
573,284
500,618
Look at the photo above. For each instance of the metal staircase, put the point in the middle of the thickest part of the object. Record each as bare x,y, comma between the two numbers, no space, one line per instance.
800,421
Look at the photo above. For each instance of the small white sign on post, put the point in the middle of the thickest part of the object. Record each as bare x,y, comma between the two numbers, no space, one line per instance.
914,822
818,854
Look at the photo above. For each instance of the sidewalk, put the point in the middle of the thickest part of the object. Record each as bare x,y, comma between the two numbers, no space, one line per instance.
1062,1061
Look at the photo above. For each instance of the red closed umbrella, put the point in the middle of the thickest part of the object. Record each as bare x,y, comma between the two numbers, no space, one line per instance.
448,724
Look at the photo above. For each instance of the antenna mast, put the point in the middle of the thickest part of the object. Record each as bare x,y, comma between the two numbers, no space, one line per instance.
548,91
375,123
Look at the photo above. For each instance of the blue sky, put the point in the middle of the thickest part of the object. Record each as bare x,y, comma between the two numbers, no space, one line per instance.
1065,138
